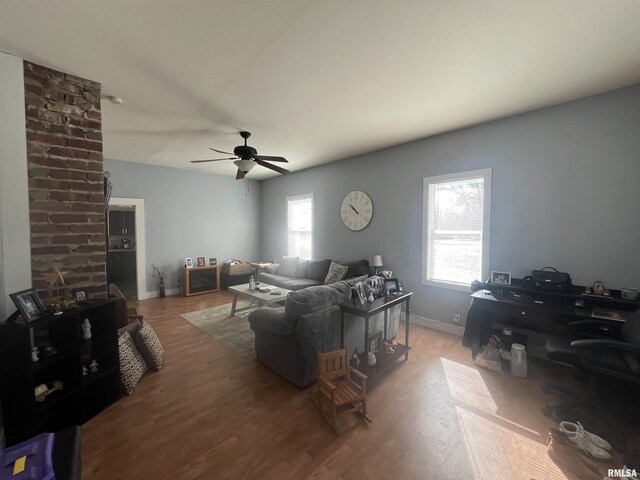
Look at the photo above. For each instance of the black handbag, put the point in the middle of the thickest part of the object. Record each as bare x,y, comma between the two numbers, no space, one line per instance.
549,279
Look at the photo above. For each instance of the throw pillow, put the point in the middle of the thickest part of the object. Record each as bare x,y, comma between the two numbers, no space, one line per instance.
336,273
150,347
132,365
288,266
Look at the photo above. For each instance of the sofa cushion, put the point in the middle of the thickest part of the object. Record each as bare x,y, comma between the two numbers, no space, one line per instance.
315,298
302,270
357,268
288,266
132,365
298,283
318,269
149,346
336,273
274,279
272,320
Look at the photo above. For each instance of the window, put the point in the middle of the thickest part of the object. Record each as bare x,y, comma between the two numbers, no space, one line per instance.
300,225
456,220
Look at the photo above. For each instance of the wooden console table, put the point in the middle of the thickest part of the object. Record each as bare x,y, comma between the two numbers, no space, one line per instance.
367,311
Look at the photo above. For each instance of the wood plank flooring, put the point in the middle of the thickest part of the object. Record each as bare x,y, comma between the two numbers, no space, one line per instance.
212,414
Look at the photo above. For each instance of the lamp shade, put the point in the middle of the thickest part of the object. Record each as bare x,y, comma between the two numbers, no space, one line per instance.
245,165
375,261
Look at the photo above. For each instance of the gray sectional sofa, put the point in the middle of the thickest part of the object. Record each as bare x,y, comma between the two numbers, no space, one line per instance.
309,273
287,338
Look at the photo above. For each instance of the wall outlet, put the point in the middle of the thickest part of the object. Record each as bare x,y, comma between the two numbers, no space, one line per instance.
456,318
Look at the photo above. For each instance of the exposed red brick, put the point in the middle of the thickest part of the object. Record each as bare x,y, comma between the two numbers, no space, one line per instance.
85,144
50,250
37,217
64,146
69,218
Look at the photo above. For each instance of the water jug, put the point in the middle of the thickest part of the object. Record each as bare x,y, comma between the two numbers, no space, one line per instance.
518,360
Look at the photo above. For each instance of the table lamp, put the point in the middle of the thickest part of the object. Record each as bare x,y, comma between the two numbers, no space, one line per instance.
375,261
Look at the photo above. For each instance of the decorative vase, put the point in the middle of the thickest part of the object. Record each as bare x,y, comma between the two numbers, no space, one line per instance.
162,293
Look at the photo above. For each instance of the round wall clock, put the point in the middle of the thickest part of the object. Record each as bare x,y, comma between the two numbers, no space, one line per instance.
356,210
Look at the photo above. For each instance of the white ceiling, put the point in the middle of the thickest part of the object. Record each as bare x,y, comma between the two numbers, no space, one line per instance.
317,81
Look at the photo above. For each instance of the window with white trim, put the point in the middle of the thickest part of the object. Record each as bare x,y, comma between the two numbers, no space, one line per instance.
456,225
300,225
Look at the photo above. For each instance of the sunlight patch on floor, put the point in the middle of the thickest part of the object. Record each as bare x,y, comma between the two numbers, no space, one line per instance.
493,446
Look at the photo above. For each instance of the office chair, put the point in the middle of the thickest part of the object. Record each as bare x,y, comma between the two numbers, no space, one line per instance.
603,361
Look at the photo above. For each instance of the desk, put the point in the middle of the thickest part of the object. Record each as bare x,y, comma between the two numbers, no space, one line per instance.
368,310
535,315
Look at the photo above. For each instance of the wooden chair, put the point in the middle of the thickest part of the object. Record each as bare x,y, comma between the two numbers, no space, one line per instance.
336,393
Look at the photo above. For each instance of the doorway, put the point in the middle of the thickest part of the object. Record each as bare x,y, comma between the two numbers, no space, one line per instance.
126,246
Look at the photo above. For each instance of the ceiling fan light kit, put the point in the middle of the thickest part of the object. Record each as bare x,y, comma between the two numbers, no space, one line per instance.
246,157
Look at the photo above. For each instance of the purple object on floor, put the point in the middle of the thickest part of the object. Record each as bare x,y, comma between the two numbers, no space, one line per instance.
37,465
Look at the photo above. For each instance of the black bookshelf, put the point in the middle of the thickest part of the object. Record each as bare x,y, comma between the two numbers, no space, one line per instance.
84,394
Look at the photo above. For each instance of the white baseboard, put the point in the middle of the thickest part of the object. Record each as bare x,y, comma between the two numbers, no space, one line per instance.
438,325
156,293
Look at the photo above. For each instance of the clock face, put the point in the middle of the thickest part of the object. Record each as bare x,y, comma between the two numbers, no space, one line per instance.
356,210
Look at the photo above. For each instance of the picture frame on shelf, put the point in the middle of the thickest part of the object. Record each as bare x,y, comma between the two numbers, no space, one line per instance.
391,285
500,278
386,273
80,295
188,263
213,261
362,294
29,304
200,261
375,342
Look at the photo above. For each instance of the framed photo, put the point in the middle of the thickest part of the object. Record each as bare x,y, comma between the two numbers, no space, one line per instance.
386,273
29,304
188,263
375,342
213,261
376,286
200,261
501,278
80,294
362,295
391,285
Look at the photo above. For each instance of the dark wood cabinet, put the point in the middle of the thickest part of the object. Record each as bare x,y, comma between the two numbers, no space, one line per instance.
67,362
122,223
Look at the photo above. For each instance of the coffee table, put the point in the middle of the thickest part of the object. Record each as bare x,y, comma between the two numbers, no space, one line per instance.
265,299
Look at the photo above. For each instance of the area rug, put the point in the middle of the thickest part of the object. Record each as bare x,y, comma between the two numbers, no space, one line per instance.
233,332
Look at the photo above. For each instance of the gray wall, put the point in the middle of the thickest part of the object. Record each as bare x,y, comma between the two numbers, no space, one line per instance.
190,214
566,193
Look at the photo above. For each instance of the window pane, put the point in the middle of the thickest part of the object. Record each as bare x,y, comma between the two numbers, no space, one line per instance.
455,230
300,226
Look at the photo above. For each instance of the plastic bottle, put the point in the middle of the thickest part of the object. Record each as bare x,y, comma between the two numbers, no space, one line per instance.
518,360
252,284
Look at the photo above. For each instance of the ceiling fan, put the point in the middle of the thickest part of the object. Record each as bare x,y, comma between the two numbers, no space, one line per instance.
246,157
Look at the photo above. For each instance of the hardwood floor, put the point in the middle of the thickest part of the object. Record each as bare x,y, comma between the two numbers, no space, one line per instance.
212,414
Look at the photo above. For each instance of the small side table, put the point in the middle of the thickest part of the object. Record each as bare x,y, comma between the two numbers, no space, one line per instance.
367,311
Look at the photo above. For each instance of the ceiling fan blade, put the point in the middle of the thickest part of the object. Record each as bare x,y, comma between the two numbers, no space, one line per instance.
240,175
272,167
270,158
213,160
220,151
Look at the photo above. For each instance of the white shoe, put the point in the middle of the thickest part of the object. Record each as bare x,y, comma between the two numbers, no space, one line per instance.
585,441
573,429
